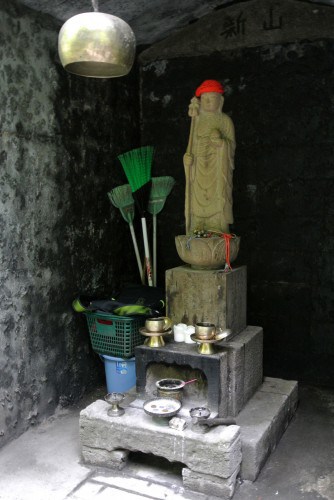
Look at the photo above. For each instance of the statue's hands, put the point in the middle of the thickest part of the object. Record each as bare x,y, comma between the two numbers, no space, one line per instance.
194,107
216,138
188,159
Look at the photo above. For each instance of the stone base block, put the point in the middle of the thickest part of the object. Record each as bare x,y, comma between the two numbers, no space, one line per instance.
218,451
216,296
210,485
263,421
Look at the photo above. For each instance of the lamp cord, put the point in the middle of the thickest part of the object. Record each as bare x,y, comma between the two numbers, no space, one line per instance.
95,4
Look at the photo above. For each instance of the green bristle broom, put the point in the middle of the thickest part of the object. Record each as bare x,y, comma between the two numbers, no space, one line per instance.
121,197
161,187
137,165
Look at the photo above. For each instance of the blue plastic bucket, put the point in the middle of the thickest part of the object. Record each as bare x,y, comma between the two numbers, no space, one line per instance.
120,373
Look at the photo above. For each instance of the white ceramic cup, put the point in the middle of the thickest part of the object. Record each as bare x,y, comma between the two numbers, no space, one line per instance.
179,331
190,330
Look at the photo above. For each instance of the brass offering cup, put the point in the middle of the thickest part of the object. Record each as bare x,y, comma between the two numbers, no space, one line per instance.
158,325
114,398
205,331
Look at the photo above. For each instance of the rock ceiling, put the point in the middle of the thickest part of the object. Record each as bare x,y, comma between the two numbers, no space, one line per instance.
151,20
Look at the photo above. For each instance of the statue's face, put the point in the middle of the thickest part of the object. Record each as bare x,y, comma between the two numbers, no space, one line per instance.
210,101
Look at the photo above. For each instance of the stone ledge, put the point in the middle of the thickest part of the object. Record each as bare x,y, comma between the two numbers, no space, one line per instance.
263,421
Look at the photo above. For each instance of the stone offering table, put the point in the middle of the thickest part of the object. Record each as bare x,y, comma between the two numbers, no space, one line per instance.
214,457
213,460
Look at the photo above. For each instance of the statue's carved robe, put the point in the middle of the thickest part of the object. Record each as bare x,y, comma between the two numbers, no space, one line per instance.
209,179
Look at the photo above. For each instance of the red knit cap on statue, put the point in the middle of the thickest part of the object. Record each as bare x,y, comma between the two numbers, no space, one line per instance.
209,86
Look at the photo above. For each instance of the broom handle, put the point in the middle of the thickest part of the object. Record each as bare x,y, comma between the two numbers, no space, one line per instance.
135,246
147,253
154,250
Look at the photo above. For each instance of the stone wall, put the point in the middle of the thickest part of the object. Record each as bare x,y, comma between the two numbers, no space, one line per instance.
279,93
59,137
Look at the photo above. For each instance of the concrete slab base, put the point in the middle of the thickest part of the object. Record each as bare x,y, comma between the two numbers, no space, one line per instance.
223,451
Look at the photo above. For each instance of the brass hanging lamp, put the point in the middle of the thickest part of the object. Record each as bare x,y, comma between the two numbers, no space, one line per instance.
96,45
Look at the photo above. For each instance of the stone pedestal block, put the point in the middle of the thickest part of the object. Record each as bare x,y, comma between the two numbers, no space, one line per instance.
232,374
215,296
180,355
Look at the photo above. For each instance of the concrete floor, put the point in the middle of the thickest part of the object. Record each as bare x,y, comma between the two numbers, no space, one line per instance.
44,463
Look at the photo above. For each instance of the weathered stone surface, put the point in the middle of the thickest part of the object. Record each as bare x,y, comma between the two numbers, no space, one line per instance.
207,295
263,421
213,375
209,484
245,367
245,353
218,450
236,377
55,174
115,459
231,376
252,24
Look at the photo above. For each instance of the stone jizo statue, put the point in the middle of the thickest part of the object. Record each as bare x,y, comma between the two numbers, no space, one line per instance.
209,162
